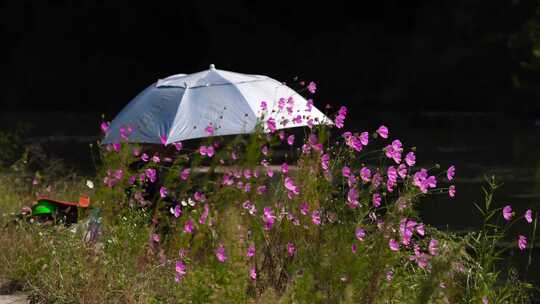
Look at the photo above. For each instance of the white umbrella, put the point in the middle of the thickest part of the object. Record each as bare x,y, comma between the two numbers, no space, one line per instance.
181,107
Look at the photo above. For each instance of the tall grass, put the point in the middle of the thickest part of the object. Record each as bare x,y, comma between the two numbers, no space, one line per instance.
250,232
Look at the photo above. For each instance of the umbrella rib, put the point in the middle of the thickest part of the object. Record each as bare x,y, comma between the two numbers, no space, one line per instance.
212,85
175,115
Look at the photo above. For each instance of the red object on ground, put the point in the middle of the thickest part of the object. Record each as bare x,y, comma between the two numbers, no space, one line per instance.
84,201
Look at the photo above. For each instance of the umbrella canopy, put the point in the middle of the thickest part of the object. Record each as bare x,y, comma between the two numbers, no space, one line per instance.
182,106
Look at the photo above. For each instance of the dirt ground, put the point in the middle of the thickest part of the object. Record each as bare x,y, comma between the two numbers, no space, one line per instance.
17,298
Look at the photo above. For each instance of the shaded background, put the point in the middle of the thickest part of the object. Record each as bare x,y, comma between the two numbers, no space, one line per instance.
457,79
384,55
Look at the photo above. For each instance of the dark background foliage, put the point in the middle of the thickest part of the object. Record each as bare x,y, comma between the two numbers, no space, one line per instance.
463,55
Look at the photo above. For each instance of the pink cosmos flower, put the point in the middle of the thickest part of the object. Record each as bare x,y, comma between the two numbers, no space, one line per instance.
290,101
410,159
364,138
155,237
297,119
528,216
221,254
452,191
433,247
156,159
422,181
393,244
291,249
389,275
325,159
394,151
176,211
145,157
268,218
177,146
355,143
352,141
376,200
264,150
316,217
360,234
202,150
163,192
420,229
340,118
118,174
198,196
365,174
402,171
284,168
304,208
123,133
184,174
522,242
261,190
383,131
294,220
188,226
210,151
281,103
352,198
346,171
392,174
227,180
163,139
271,124
151,174
421,260
397,145
269,172
309,105
451,172
117,147
209,129
180,269
105,126
290,140
376,180
507,212
264,106
406,230
250,207
354,248
253,273
312,87
314,142
289,184
250,251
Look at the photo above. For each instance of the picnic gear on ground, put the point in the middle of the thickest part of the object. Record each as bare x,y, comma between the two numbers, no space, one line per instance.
59,210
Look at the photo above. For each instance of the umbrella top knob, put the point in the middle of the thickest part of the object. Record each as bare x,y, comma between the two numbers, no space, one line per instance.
212,67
